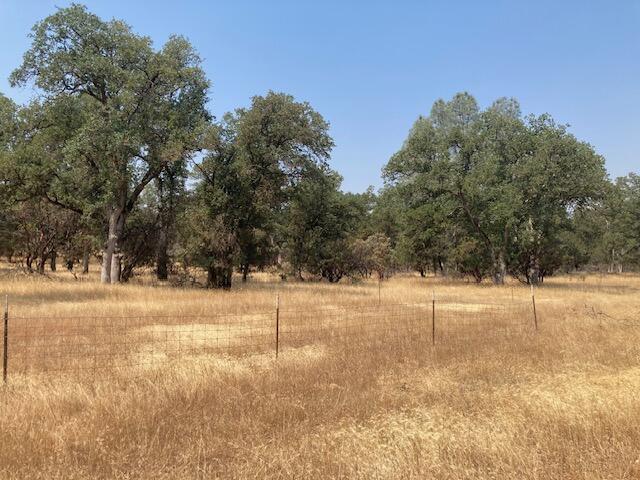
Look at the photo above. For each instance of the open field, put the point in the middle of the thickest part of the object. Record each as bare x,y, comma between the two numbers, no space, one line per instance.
484,402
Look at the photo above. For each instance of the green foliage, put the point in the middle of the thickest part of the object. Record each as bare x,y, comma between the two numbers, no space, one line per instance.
279,142
490,191
321,223
116,113
258,159
608,234
209,228
101,157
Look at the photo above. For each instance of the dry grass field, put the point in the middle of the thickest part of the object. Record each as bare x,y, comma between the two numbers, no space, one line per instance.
489,403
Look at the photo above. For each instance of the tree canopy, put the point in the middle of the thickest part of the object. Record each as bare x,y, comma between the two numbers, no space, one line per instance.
500,188
114,111
118,158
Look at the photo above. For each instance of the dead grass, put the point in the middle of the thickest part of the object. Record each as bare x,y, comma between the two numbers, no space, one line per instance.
561,403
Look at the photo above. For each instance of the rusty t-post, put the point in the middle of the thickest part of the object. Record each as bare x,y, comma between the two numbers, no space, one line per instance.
277,324
5,340
533,302
433,318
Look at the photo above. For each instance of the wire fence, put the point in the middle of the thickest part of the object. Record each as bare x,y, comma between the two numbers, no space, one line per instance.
95,345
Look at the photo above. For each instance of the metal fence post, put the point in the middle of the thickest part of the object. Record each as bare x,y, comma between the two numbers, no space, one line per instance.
5,341
277,324
433,318
533,302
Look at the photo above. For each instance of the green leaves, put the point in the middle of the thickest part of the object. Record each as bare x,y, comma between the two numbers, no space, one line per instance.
116,113
496,176
258,164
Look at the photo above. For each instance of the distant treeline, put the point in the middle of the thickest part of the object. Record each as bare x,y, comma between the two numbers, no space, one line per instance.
118,158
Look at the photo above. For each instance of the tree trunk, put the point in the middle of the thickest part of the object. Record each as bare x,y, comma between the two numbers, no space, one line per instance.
127,271
612,263
534,270
219,277
162,259
41,264
245,272
499,269
69,264
107,253
116,267
85,261
112,256
53,263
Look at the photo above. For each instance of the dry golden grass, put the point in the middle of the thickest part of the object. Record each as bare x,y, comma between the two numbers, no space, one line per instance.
559,403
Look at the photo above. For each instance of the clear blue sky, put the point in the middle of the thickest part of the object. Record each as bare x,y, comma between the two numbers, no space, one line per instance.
371,67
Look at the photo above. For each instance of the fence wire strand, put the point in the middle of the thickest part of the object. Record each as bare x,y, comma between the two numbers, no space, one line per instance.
95,344
92,345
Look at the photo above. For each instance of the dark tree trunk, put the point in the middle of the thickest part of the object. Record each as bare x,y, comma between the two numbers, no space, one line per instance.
478,276
107,254
162,258
169,185
219,277
534,271
332,275
126,272
69,264
29,263
53,261
85,261
41,264
245,272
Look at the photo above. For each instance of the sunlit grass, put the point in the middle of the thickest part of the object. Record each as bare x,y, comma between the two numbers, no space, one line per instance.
559,403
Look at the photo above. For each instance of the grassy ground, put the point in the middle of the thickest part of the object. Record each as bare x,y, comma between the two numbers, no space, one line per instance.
559,403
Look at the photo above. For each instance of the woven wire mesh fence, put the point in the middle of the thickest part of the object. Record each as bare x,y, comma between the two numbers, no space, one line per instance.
106,343
95,345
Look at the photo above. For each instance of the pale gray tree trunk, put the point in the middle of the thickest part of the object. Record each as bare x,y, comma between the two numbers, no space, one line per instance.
611,262
112,253
116,267
105,274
